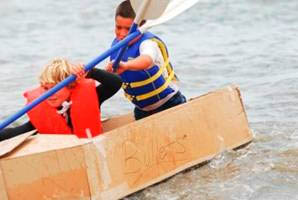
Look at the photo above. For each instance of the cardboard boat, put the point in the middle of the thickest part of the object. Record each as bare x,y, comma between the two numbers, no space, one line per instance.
129,156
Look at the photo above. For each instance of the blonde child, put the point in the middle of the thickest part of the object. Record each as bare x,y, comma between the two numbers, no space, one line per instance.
75,109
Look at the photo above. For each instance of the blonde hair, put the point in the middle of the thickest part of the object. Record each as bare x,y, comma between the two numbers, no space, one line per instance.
56,71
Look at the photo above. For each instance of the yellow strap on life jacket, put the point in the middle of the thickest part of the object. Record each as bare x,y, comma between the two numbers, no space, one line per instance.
166,65
152,93
164,53
152,78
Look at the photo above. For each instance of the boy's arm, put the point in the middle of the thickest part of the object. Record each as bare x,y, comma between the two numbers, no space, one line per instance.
139,63
150,55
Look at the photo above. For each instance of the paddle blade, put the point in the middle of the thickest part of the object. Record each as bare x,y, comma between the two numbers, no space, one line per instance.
174,8
154,9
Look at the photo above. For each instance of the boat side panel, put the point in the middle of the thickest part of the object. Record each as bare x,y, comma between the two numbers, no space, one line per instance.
57,174
154,148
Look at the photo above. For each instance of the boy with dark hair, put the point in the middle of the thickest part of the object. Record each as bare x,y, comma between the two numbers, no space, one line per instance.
145,69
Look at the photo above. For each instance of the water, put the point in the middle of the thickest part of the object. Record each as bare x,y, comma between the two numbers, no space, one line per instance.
250,43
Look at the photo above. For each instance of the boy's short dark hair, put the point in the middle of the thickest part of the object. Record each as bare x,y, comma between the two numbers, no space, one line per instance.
125,10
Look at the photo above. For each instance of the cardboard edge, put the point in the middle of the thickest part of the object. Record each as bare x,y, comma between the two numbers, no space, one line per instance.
11,144
242,103
92,173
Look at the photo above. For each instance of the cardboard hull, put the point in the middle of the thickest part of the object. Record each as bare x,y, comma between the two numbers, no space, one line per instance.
130,156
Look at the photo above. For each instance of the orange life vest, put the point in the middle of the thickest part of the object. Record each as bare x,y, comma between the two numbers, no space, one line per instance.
84,112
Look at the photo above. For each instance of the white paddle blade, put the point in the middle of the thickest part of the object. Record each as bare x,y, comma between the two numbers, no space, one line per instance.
174,8
154,8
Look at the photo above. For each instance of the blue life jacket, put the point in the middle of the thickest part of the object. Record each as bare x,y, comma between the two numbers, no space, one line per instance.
146,87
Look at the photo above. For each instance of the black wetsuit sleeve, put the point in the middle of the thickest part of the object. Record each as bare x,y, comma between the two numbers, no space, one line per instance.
12,132
110,83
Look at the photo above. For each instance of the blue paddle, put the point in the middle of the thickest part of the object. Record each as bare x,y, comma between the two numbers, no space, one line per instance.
145,6
68,80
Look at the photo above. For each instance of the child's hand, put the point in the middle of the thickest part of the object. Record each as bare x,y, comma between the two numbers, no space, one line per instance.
79,71
121,68
109,67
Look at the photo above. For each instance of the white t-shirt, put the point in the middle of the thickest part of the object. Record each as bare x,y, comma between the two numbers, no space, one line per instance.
150,48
